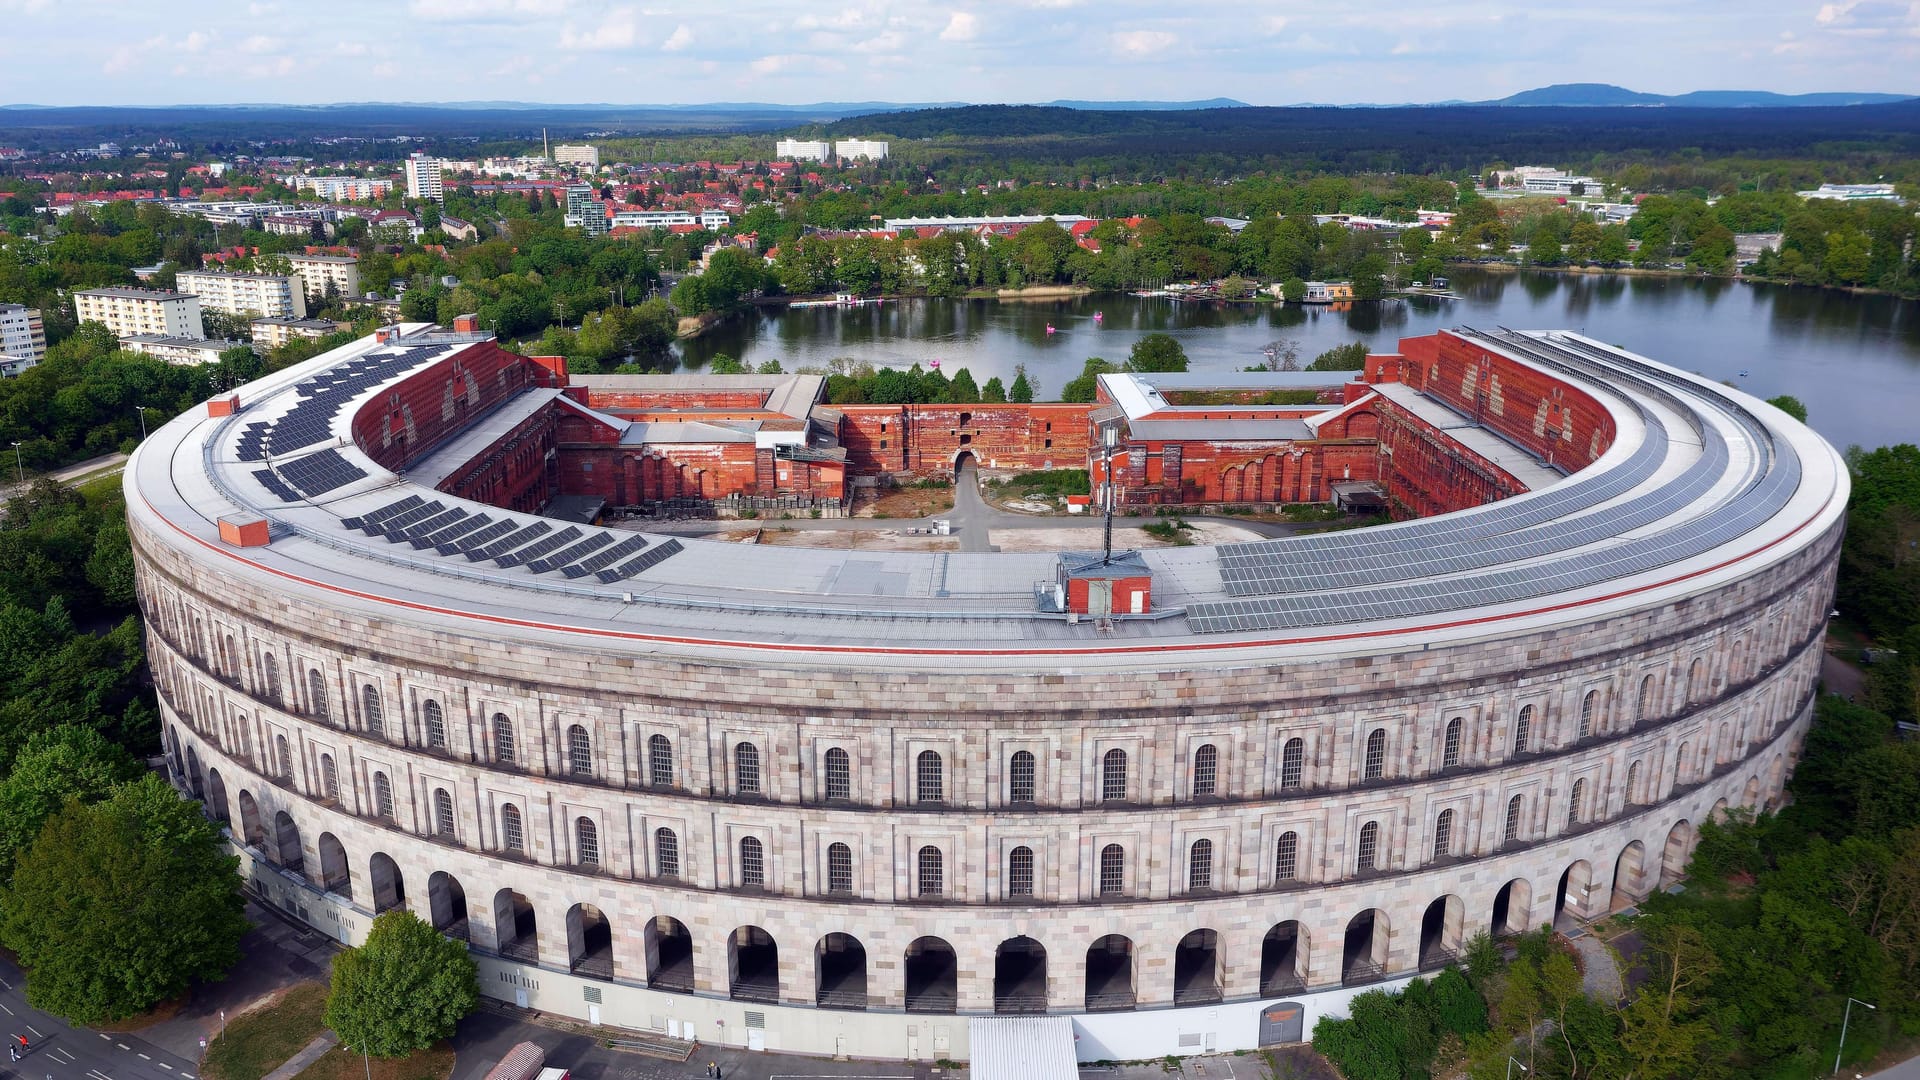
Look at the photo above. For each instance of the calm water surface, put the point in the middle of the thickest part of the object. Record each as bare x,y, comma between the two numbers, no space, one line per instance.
1854,361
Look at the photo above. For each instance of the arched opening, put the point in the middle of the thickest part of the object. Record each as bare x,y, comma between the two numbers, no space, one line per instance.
389,889
252,832
1363,959
1673,858
286,843
1570,898
1283,959
1626,878
669,954
193,774
589,942
1197,975
334,875
1110,983
961,462
447,905
1440,929
753,965
515,927
217,797
1750,795
1512,908
840,972
1020,976
1719,812
933,976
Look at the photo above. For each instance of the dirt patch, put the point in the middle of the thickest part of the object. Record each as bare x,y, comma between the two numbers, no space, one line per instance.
261,1039
1087,538
905,503
858,540
343,1064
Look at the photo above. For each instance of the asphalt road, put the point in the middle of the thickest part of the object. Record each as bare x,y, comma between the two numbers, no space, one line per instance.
59,1052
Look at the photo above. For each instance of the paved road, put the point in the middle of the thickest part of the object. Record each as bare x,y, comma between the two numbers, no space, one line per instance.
59,1052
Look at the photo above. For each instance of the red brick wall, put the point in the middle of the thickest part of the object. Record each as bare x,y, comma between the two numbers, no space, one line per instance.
926,440
1558,422
409,419
1429,473
511,473
751,400
1200,471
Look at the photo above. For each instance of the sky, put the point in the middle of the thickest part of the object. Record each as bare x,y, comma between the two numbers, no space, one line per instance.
1276,52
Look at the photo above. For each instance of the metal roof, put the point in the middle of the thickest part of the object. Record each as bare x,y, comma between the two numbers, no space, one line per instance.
1021,1048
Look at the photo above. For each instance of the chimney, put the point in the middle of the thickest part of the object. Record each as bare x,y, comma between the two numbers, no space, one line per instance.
466,324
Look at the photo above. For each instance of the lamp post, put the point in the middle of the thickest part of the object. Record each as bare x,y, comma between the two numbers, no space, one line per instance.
1109,437
142,409
19,470
1844,1017
1511,1062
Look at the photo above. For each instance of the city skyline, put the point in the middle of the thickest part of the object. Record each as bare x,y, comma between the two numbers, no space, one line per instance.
569,51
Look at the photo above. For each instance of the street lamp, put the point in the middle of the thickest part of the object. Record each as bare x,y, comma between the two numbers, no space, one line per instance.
1511,1062
1844,1017
1109,437
143,422
19,470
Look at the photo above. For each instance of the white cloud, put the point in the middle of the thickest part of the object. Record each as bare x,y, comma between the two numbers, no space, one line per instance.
352,48
124,58
1273,24
25,7
679,39
261,45
193,42
619,30
844,19
486,10
772,65
887,41
1142,42
964,26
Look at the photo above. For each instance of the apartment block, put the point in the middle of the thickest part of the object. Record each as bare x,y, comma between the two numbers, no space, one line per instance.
242,294
802,149
848,149
582,155
585,209
340,187
273,333
423,178
22,334
327,275
128,311
182,351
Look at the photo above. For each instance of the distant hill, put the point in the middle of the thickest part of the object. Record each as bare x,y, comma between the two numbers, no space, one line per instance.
1593,95
1149,106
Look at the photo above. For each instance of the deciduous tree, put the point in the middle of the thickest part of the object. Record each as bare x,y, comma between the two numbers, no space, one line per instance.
404,990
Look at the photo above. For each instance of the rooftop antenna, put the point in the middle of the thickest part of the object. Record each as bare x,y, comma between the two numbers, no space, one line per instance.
546,151
1109,435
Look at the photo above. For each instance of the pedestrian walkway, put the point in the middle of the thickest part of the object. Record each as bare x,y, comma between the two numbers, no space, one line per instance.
1602,977
311,1053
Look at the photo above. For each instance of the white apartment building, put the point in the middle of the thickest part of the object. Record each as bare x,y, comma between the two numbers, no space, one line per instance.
848,149
327,275
802,149
423,178
1562,185
184,351
660,219
585,210
22,334
582,155
127,311
1853,192
242,294
273,333
340,187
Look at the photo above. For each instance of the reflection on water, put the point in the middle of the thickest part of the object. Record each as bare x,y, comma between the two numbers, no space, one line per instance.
1854,360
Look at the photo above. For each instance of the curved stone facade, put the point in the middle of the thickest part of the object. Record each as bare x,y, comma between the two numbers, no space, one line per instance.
690,838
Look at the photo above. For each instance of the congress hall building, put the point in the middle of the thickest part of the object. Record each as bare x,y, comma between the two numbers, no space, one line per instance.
877,803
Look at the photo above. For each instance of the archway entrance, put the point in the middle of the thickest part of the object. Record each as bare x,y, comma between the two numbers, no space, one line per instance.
1364,957
933,979
1110,974
589,941
334,876
753,965
1283,960
962,461
1626,878
1020,976
517,929
389,889
1673,857
669,954
217,798
840,972
286,844
1570,898
1196,969
447,902
1440,930
1511,908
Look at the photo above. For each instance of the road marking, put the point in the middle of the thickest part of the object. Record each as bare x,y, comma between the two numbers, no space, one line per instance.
57,1056
103,1035
36,1032
144,1057
3,1006
189,1076
98,1075
123,1046
164,1065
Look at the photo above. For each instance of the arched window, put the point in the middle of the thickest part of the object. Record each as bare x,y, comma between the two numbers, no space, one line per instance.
1589,705
370,706
443,813
1375,765
436,725
282,757
753,862
1443,835
1369,847
1020,778
317,692
1680,765
513,835
1696,682
839,775
1523,730
504,750
1286,857
1020,872
666,853
1633,783
270,671
1574,798
929,778
1113,776
232,654
1113,870
1200,865
1514,806
839,869
746,769
1646,699
586,841
1293,765
579,751
329,778
1450,744
1206,769
933,872
383,796
659,761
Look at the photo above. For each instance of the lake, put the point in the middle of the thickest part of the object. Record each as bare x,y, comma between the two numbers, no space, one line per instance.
1854,360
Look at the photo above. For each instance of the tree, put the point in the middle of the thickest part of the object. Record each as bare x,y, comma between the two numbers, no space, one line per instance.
722,364
404,990
963,389
1085,386
1349,357
122,904
66,762
1294,290
1790,405
994,390
1155,353
1022,389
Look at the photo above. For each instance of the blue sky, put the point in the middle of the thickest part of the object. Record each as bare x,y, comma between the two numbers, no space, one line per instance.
119,52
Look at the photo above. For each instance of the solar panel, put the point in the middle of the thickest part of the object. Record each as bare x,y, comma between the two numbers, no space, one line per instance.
273,484
540,547
429,525
451,532
400,521
601,560
506,544
577,551
383,513
634,566
319,473
478,539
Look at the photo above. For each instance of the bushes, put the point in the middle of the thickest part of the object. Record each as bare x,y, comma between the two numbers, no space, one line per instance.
1394,1035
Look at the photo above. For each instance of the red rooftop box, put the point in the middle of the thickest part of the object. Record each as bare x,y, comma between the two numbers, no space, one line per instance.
238,531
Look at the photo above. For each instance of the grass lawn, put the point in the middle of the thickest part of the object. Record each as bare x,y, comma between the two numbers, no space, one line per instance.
258,1042
343,1064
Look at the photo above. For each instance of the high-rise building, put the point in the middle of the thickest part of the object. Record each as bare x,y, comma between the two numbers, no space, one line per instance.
802,150
22,335
848,149
128,311
327,275
271,295
585,210
582,154
423,178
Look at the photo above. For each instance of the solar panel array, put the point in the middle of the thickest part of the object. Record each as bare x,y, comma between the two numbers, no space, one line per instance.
1401,578
572,551
315,474
321,398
